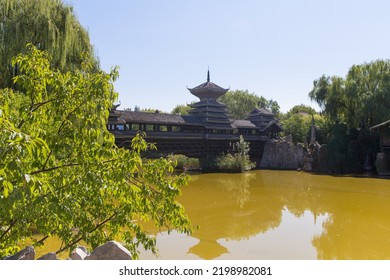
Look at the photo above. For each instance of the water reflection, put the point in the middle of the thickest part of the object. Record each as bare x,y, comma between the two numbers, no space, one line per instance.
283,215
231,207
291,240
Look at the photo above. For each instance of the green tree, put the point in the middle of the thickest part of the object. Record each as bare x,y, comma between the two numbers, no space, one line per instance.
354,104
297,123
270,104
150,110
361,100
182,109
240,103
144,110
48,24
300,109
60,171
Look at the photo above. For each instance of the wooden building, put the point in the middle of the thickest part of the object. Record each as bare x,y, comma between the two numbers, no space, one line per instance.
207,130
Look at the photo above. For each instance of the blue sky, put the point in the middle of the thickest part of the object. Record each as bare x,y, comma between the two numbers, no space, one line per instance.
272,48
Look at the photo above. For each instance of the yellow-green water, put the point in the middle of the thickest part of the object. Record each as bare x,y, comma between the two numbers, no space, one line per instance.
281,215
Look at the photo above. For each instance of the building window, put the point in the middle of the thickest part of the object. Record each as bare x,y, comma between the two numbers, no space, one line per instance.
120,127
163,128
149,127
135,126
176,128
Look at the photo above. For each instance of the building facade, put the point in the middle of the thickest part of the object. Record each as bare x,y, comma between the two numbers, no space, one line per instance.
207,130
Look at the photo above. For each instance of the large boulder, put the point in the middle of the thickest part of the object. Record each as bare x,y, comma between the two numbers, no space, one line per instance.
111,250
80,253
49,256
27,253
283,154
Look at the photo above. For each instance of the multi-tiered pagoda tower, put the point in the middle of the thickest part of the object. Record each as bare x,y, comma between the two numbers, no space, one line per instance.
209,110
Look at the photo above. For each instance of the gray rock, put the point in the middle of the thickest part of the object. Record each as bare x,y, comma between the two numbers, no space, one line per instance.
84,249
111,250
80,253
283,154
49,256
27,253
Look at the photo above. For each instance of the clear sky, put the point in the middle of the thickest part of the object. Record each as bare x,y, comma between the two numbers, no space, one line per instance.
272,48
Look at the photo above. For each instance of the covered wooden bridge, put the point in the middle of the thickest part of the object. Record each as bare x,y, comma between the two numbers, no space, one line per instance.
207,130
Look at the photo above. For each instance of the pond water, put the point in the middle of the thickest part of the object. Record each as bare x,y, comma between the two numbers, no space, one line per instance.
282,215
278,215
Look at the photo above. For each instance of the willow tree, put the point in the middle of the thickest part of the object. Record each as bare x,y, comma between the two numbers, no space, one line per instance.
353,104
361,99
60,171
49,25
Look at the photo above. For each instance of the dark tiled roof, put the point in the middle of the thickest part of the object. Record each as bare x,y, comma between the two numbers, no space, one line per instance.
210,115
208,102
209,86
218,126
191,120
273,124
208,90
259,112
159,118
243,124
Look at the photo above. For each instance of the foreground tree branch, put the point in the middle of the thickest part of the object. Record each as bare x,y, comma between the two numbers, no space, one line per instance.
61,169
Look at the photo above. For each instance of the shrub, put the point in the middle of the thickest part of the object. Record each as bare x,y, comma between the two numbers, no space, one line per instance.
184,162
237,162
234,162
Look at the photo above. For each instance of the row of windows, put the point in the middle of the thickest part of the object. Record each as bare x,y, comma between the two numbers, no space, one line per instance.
172,128
151,127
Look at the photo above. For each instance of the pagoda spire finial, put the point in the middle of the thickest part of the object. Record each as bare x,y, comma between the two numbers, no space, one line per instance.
208,75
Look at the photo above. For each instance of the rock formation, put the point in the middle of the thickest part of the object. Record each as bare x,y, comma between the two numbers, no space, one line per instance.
49,256
79,253
27,253
283,154
111,250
